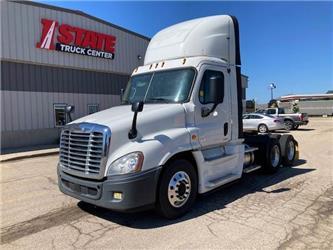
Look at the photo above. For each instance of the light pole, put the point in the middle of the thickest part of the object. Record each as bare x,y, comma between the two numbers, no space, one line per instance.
272,86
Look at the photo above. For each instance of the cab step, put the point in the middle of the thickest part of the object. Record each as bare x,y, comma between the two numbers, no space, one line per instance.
251,169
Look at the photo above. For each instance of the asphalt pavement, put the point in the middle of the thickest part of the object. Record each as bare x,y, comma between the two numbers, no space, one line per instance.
292,209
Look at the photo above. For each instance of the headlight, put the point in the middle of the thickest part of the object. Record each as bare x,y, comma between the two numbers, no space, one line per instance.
127,164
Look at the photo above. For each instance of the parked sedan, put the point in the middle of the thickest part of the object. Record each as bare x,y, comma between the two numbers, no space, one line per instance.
262,123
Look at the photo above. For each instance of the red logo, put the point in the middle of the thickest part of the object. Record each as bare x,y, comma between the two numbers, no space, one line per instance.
46,41
76,40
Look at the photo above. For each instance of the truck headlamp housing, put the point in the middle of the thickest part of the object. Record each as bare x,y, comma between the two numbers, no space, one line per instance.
129,163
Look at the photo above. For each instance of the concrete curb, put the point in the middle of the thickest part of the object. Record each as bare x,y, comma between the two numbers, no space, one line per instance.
28,154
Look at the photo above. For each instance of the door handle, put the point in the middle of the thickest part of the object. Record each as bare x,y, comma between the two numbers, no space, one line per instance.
226,128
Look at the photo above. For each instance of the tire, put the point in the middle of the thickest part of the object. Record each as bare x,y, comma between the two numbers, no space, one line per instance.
295,127
262,128
288,150
288,124
273,157
178,178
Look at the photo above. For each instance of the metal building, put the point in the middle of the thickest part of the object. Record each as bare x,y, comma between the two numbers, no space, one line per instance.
313,104
51,57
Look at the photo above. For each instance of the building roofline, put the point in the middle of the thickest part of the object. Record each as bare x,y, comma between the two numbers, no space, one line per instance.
305,96
80,13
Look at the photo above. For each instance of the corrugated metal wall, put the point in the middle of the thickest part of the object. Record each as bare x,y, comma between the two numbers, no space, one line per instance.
41,78
33,79
311,107
25,110
21,30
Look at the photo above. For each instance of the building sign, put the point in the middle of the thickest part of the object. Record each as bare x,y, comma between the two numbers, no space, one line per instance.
76,40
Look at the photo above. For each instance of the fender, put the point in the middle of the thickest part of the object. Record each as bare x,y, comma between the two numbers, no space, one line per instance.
157,148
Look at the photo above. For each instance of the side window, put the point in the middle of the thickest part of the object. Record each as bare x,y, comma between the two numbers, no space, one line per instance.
271,111
92,108
261,111
245,116
59,115
281,111
204,96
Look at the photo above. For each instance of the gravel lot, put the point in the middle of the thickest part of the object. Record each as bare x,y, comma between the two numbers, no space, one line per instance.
291,209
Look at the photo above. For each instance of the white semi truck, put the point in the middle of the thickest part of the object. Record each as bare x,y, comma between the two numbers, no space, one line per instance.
178,132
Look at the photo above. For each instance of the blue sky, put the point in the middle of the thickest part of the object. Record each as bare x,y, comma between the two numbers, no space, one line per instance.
288,43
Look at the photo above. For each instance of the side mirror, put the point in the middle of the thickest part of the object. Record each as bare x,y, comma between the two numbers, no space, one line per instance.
136,108
69,109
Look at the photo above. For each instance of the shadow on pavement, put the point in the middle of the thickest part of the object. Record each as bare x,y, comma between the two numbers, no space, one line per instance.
280,132
216,200
305,129
299,162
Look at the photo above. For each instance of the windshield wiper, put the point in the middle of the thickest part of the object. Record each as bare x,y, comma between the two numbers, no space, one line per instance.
160,99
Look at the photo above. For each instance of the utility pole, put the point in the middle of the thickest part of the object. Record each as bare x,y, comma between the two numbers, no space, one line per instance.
272,86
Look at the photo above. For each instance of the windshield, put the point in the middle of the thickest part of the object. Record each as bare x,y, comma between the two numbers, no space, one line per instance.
172,86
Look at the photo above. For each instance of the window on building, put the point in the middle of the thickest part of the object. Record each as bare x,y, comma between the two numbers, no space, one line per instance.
92,108
204,93
60,118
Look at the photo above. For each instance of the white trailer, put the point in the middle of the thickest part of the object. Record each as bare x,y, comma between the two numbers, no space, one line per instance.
178,132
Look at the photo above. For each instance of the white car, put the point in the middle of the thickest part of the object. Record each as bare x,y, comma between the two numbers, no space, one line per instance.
262,123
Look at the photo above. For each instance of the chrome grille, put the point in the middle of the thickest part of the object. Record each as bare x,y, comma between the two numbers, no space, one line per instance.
83,149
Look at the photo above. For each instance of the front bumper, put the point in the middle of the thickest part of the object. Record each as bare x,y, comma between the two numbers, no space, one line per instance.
138,189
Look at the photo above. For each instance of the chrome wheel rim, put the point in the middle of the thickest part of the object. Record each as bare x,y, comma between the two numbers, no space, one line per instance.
291,150
179,189
262,129
275,156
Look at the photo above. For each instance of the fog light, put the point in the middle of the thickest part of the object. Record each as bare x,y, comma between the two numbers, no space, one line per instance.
117,196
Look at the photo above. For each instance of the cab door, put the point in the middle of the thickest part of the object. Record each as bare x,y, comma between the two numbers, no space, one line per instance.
215,128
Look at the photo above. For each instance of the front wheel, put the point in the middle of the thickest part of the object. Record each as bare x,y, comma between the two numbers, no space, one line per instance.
178,189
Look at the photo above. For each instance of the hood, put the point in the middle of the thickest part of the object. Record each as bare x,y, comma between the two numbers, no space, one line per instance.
154,114
153,119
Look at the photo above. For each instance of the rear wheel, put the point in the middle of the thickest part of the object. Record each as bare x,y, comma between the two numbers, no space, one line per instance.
178,189
288,148
262,128
288,124
273,157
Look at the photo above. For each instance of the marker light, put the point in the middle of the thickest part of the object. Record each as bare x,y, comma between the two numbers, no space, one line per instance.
117,196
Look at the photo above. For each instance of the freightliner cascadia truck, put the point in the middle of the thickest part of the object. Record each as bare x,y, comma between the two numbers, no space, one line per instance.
178,131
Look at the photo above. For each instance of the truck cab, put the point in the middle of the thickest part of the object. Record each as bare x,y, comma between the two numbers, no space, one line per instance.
178,131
